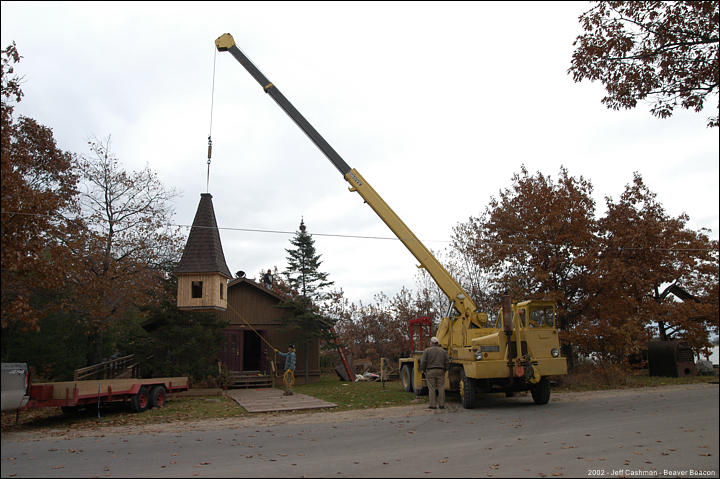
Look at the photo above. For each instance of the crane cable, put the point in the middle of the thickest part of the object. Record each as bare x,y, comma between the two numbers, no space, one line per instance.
288,377
212,106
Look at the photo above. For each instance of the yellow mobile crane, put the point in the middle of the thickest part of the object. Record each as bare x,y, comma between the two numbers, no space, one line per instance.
515,353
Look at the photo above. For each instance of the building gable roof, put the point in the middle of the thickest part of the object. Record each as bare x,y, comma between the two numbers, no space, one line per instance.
203,251
251,283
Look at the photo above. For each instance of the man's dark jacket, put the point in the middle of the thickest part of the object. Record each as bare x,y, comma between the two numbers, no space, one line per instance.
434,357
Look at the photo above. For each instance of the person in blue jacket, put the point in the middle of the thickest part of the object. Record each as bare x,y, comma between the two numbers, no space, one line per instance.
289,374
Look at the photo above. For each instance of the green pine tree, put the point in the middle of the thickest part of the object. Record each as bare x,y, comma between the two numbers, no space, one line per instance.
303,271
304,277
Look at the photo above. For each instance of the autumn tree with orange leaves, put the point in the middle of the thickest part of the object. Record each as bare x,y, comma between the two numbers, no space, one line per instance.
642,253
38,194
663,52
540,238
381,328
86,245
536,240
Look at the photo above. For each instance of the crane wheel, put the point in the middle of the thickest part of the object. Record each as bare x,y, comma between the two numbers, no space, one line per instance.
406,378
468,390
541,391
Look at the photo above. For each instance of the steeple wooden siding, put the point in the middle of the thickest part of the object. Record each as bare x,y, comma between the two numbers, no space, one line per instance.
202,272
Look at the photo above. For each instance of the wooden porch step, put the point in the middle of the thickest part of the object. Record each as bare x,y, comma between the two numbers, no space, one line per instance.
249,379
251,384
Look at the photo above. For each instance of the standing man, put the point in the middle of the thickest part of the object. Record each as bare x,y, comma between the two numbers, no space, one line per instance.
289,374
267,279
434,363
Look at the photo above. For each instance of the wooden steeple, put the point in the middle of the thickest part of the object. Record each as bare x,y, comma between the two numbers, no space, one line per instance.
202,272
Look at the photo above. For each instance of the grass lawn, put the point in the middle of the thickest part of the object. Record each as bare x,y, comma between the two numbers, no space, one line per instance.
347,396
176,409
360,395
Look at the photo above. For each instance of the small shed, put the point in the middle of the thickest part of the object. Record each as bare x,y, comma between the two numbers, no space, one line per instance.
202,272
671,358
254,325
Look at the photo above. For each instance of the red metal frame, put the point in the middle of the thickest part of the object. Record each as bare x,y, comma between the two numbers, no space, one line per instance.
423,327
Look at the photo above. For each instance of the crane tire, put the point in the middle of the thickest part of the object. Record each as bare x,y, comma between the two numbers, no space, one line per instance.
406,378
468,390
541,391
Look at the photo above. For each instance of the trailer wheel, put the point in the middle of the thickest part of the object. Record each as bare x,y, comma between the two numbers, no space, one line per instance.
541,391
468,390
158,396
406,378
69,409
141,401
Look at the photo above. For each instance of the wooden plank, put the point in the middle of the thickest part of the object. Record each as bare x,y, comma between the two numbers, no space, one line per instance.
271,399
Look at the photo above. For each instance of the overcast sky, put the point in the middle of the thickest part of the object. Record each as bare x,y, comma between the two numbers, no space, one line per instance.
437,105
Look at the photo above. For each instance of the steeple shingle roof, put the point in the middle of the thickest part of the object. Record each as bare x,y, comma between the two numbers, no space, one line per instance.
203,251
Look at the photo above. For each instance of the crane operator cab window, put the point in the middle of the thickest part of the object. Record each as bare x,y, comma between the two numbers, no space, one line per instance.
541,317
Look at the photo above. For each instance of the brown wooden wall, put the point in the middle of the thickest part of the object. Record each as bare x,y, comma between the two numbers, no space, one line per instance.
250,304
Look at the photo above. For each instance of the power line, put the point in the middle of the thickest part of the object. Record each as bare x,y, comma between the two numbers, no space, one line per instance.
336,235
251,230
392,238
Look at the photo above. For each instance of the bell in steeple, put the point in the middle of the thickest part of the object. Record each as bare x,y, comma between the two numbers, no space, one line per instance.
202,272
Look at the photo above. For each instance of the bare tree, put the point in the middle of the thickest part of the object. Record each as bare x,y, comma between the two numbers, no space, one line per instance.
129,216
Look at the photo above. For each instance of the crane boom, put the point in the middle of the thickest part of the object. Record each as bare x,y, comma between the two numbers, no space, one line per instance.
461,301
517,356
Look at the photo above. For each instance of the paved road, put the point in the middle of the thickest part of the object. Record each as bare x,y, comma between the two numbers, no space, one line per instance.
654,432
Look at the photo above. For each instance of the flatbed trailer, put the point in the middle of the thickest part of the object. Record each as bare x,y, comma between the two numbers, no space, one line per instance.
140,394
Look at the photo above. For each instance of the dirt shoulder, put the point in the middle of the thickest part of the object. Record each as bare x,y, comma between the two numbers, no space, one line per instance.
253,421
274,419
